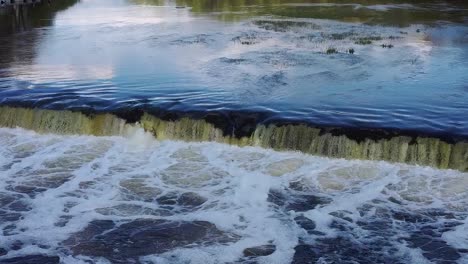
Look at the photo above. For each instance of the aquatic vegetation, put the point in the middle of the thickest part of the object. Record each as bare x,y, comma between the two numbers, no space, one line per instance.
331,50
367,40
197,39
421,150
232,61
249,38
363,42
395,37
339,36
285,25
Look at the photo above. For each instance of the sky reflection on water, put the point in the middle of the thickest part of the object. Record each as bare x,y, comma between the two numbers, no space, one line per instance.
247,55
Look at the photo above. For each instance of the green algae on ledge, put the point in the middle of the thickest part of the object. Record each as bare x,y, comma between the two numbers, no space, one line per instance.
420,150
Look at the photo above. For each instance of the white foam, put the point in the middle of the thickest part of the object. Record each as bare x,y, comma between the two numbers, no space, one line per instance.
458,238
236,182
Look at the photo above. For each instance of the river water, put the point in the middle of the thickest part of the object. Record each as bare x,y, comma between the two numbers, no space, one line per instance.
256,56
137,200
128,197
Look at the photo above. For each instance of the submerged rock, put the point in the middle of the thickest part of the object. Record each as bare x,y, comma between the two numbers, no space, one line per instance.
306,202
19,206
434,248
6,199
9,230
344,251
192,175
32,259
276,197
169,198
307,224
191,199
102,238
304,254
189,154
298,202
303,185
186,200
32,191
259,251
132,210
342,214
17,245
6,216
284,166
137,189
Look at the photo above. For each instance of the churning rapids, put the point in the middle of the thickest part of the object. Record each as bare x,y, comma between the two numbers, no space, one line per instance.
134,199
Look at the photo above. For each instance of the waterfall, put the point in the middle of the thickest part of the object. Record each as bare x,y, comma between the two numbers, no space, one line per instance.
428,151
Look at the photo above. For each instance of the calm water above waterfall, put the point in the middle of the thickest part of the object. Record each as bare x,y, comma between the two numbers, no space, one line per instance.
121,180
289,59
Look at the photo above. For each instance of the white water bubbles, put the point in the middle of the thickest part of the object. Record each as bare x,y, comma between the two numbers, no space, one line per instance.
78,198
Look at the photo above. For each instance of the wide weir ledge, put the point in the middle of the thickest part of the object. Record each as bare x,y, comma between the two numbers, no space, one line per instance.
252,129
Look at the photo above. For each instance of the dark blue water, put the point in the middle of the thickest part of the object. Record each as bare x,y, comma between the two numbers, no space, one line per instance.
407,69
